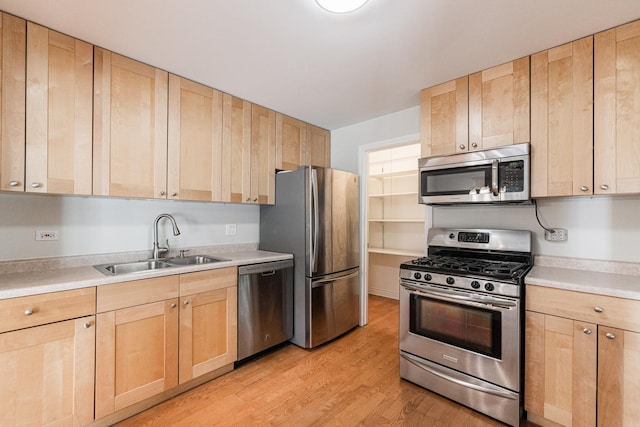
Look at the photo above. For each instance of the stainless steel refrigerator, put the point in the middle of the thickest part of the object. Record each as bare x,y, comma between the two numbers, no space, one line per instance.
316,217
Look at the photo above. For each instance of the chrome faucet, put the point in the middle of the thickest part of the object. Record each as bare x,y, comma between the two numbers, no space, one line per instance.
158,250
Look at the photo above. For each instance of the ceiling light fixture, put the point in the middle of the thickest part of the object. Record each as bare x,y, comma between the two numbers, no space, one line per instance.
341,6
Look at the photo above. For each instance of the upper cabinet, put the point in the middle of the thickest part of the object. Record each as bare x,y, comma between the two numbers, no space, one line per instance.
291,140
562,120
236,150
59,105
318,146
263,155
130,128
487,109
617,112
12,105
195,141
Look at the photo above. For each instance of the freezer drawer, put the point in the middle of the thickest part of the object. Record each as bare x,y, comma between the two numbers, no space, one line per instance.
265,306
335,306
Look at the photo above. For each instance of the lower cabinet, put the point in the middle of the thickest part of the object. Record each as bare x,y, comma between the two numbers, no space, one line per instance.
154,334
208,321
575,363
47,368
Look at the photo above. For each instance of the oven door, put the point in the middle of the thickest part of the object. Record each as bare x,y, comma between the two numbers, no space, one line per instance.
474,333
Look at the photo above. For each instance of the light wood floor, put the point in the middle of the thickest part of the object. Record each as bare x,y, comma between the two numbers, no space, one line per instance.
351,381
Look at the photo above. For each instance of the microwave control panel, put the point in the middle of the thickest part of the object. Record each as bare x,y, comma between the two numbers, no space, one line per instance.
511,176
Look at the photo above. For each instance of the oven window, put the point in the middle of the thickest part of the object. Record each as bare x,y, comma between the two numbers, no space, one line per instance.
471,328
454,181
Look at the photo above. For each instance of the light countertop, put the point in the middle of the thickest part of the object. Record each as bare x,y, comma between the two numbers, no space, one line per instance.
53,280
613,279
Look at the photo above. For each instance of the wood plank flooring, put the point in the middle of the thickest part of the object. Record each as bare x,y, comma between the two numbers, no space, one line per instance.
352,381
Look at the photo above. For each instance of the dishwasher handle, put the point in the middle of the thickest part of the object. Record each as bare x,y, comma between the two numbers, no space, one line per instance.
265,267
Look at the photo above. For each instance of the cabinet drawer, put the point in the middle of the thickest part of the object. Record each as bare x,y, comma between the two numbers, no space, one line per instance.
23,312
601,309
137,292
209,280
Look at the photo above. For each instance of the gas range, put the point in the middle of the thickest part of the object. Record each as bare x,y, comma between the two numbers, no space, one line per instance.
493,261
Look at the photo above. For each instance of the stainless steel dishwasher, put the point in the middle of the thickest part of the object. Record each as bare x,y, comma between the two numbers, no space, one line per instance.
265,306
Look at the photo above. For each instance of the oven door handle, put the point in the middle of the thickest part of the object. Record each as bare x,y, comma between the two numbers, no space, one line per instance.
431,368
450,296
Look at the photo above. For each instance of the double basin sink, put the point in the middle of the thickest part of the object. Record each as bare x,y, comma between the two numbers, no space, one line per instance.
155,264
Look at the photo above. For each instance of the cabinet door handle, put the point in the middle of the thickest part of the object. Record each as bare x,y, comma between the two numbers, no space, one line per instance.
610,336
35,184
86,325
474,145
587,331
173,305
584,188
604,187
28,312
598,309
162,193
186,302
174,194
14,183
462,146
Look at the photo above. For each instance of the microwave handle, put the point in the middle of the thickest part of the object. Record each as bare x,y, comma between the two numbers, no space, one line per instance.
494,177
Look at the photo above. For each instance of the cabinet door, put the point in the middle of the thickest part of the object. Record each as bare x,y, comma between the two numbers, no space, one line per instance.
12,109
499,105
444,118
236,150
562,120
48,374
136,354
129,128
263,155
618,386
195,141
560,370
208,332
59,106
617,114
291,138
318,147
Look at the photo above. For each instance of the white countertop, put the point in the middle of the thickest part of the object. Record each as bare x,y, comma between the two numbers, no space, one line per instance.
610,283
53,280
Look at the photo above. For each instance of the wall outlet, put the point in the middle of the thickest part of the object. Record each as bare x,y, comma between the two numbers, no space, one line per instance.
230,230
46,235
559,235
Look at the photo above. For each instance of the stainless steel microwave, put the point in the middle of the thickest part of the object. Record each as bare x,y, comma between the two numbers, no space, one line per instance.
497,175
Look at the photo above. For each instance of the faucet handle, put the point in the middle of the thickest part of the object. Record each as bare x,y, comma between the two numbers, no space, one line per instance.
182,252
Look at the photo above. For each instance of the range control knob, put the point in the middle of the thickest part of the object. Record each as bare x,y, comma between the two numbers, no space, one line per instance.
417,276
450,281
475,284
427,277
489,287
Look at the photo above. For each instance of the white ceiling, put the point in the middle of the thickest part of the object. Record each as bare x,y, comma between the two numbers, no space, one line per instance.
327,69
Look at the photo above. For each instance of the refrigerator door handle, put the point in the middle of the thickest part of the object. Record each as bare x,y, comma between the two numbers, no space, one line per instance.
320,282
315,221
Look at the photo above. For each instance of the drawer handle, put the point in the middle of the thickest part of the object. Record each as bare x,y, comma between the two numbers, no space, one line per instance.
610,336
598,309
587,331
28,312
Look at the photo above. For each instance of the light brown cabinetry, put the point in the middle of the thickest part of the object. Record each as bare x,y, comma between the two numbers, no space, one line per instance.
291,142
318,146
59,113
48,367
562,120
263,155
12,105
236,150
616,131
137,342
129,127
195,141
487,109
578,348
208,321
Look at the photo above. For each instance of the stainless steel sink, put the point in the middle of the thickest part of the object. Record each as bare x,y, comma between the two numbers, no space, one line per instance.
154,264
194,259
131,267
